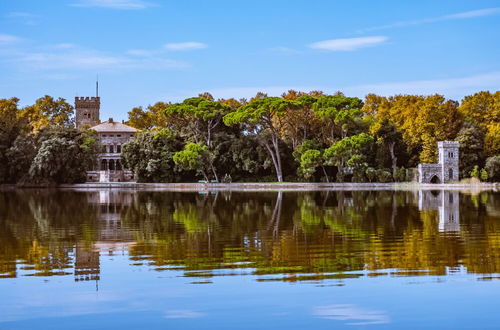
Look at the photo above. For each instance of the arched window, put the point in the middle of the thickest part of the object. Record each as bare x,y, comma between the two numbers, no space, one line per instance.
450,173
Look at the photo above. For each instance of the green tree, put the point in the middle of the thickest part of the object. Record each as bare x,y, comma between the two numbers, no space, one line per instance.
475,172
197,157
471,138
64,156
264,118
341,115
347,152
197,118
11,126
149,154
492,167
483,175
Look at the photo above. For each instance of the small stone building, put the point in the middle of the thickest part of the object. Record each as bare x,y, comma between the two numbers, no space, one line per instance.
446,169
112,135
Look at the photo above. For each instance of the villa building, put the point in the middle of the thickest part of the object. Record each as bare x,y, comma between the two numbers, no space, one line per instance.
111,135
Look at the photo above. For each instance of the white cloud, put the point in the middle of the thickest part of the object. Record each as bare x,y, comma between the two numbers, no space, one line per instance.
23,17
182,314
463,15
70,57
190,45
455,88
113,4
450,87
6,39
352,314
140,52
284,50
348,44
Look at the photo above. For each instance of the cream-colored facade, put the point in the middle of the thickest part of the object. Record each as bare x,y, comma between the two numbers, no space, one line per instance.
112,135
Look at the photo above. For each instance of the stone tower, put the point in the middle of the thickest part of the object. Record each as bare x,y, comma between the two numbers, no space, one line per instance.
446,169
87,111
448,159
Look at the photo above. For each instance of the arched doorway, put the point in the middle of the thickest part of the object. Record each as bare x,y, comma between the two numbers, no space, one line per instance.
111,165
435,179
104,165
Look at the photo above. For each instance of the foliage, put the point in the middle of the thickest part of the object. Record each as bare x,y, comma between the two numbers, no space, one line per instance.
151,118
483,175
265,118
298,136
64,156
347,152
49,112
475,172
492,167
149,154
383,175
195,156
471,137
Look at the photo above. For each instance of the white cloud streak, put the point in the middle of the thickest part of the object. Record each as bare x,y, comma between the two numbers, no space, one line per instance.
183,314
455,88
181,46
451,87
352,314
70,57
463,15
113,4
348,44
7,39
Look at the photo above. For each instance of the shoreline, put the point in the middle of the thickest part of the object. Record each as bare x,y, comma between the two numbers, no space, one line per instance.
287,186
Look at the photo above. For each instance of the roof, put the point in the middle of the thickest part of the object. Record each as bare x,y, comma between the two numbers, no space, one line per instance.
113,126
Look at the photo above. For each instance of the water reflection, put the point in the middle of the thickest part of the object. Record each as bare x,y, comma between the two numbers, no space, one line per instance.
447,203
276,236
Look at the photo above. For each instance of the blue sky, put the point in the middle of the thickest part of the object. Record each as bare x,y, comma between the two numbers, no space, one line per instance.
146,51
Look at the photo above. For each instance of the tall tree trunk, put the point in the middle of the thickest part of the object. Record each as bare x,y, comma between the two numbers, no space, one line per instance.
276,145
214,172
394,159
276,159
326,174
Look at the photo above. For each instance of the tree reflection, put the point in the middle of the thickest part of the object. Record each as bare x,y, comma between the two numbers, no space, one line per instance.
298,236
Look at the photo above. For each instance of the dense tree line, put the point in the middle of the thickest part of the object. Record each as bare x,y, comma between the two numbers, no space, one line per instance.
296,137
39,144
312,137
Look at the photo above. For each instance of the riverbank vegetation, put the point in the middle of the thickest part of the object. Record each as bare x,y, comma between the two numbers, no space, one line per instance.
296,137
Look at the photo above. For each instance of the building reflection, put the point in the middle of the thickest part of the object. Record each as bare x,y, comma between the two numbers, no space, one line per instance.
112,238
446,203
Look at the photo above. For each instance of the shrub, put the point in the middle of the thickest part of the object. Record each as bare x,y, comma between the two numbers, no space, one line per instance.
384,175
493,168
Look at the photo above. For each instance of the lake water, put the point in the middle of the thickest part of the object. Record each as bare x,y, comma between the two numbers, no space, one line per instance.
249,260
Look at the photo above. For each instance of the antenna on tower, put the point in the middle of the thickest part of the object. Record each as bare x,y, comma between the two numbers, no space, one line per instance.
97,86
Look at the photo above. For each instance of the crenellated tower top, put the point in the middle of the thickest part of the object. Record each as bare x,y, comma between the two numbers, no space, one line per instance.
87,111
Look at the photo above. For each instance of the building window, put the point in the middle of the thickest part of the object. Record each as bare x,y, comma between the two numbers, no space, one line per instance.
118,135
450,172
110,149
118,148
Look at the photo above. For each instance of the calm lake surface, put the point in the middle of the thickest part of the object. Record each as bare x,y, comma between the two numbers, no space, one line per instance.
249,260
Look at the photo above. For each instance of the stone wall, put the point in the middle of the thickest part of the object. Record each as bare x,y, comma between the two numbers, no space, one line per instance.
428,172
